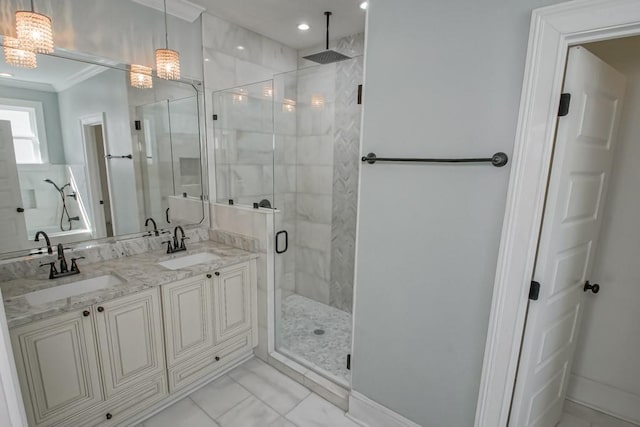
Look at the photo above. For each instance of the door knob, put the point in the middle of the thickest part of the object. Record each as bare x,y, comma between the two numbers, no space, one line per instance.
595,288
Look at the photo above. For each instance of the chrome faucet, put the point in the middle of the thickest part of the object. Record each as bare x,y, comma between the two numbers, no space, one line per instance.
155,227
46,238
64,269
177,246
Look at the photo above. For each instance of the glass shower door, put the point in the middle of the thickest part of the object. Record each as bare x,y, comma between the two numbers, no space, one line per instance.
316,136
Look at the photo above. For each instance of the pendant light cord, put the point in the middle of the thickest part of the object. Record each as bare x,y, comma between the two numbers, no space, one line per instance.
166,30
33,9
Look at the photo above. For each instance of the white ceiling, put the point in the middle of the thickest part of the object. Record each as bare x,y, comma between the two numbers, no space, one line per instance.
53,74
279,19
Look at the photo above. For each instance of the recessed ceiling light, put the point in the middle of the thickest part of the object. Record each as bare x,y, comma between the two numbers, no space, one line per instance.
303,27
240,47
6,75
364,5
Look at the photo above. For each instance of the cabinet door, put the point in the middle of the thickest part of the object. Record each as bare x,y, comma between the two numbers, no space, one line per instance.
129,332
58,366
188,318
232,300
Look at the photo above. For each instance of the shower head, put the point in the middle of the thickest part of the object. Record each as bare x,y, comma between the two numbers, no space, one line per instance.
328,56
52,183
48,181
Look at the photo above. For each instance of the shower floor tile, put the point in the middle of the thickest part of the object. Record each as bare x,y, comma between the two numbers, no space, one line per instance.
317,333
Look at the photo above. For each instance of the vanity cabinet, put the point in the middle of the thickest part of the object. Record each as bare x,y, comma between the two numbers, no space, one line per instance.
109,362
93,365
57,363
209,322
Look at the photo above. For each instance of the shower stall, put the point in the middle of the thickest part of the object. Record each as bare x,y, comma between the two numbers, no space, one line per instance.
294,141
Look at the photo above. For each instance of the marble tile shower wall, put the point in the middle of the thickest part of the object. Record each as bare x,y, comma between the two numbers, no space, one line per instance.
315,112
243,147
346,162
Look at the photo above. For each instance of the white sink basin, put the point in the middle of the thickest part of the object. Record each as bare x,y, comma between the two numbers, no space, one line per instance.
189,260
72,289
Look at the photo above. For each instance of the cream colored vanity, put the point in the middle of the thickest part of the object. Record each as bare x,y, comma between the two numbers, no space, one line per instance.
111,362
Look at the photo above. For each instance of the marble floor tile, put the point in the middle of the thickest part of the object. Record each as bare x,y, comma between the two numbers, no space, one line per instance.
250,412
220,396
595,418
569,420
282,422
184,413
314,411
269,385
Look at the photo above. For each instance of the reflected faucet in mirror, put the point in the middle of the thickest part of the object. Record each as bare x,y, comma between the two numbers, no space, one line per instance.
46,238
155,227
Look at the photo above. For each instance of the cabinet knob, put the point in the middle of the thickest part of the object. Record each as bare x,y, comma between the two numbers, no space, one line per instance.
100,309
217,358
109,416
208,276
217,273
86,313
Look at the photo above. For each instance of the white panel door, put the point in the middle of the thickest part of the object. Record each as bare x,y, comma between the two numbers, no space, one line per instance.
57,365
581,167
188,318
12,227
232,301
129,332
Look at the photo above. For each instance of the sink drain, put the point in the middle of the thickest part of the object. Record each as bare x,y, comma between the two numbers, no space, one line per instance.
319,332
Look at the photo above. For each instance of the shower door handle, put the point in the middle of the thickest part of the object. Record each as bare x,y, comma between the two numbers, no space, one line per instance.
286,241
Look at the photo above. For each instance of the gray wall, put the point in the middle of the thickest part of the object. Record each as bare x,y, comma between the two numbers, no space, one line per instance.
105,93
441,79
49,102
116,29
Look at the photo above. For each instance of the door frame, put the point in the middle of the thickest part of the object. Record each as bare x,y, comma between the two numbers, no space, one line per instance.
553,30
93,174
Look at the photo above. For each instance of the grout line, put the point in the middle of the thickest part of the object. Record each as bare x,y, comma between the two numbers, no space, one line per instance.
200,407
268,405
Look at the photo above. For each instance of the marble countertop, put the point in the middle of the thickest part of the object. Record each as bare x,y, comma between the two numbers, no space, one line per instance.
136,273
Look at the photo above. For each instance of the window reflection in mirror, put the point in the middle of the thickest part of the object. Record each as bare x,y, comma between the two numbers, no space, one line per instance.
86,156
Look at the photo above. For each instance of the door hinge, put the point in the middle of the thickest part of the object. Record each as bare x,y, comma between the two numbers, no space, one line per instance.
215,117
348,362
138,124
534,291
565,100
359,94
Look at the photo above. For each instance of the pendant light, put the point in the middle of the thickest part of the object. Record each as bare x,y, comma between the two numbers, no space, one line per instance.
140,77
34,29
16,55
167,60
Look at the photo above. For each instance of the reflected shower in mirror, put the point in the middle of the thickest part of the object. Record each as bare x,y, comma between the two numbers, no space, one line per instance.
86,156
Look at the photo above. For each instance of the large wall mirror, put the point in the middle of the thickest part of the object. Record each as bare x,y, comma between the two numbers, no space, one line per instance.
86,156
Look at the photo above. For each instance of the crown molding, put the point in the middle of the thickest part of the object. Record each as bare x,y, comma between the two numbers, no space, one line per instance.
80,76
182,9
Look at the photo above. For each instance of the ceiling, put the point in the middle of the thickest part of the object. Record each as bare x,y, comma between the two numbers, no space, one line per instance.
52,74
279,19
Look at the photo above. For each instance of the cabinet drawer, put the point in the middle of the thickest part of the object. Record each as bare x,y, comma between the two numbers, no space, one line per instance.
206,364
123,407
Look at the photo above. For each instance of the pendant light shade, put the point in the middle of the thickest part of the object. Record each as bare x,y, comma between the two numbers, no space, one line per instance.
140,77
15,53
34,29
168,64
167,60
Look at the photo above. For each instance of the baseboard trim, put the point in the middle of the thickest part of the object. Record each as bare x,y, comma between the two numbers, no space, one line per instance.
366,412
603,398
